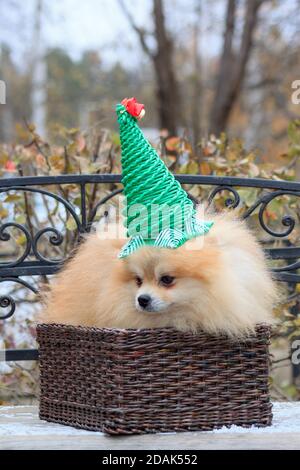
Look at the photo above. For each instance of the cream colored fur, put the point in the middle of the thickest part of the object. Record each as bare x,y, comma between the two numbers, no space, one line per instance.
223,287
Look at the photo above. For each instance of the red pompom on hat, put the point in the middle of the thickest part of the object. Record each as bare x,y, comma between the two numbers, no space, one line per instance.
134,108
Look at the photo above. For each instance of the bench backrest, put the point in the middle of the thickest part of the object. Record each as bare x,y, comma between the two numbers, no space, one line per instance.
32,262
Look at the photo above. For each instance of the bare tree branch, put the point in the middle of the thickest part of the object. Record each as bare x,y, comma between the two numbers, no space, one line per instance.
140,31
229,32
247,37
222,86
197,95
233,65
167,88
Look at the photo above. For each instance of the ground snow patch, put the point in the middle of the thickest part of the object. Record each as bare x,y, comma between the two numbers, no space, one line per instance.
286,419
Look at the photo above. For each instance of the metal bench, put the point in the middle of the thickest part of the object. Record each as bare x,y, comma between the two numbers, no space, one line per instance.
20,427
32,263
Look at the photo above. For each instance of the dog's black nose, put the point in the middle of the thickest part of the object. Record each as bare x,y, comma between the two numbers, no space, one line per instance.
144,300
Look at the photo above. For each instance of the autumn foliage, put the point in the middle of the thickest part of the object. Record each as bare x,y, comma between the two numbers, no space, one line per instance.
75,152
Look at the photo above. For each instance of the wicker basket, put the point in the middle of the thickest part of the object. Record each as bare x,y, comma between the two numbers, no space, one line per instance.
145,381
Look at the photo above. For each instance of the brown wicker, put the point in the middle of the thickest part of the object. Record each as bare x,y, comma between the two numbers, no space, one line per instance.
144,381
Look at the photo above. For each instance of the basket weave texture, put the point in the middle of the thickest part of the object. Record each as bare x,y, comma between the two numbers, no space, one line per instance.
159,380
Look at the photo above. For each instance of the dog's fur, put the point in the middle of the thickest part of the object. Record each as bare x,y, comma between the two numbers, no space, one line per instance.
223,287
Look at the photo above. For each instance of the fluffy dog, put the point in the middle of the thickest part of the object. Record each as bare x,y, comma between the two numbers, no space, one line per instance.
224,286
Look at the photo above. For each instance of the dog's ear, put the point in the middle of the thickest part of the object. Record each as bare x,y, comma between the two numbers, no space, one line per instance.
198,263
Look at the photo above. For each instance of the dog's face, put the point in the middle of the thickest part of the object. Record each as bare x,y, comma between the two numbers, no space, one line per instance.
162,281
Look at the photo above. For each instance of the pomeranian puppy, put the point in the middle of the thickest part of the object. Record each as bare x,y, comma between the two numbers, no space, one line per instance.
222,287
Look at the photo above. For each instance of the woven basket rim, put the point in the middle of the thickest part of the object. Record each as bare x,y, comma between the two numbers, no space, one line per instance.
260,327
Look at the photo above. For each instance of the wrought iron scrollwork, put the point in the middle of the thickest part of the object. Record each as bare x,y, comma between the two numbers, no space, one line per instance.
56,239
289,267
229,202
5,236
263,202
6,301
32,241
101,203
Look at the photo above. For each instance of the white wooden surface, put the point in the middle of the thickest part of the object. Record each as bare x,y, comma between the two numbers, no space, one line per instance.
20,428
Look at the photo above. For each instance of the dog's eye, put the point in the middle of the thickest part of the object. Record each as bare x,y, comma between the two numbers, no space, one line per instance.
167,280
138,281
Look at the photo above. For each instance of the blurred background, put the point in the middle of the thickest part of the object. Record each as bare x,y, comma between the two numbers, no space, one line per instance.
200,66
220,80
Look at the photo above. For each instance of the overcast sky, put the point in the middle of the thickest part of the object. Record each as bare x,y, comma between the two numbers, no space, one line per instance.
93,24
77,25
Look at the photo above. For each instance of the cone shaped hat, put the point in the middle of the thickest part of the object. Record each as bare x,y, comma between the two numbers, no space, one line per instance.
157,210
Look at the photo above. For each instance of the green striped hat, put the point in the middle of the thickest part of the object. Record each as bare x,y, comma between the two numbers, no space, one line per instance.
158,211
